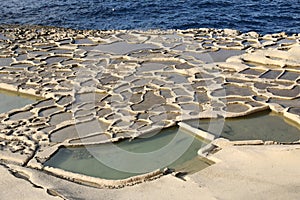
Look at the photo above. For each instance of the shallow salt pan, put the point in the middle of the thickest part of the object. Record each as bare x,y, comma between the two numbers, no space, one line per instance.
11,100
123,47
266,126
169,148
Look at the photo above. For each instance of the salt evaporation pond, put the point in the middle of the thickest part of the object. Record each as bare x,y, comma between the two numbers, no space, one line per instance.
12,100
266,126
171,147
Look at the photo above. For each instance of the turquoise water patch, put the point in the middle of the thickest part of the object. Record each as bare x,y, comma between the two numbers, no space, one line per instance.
170,147
13,100
266,126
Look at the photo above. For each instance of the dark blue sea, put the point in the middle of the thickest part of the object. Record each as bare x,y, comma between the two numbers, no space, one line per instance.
263,16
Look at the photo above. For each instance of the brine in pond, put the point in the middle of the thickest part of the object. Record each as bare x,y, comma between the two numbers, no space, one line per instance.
12,100
266,126
171,148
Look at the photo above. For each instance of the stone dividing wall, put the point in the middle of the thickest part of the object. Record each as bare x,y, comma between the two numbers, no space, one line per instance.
109,85
103,183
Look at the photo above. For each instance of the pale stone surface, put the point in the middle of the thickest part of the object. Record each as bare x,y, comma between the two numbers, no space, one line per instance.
167,187
17,188
253,172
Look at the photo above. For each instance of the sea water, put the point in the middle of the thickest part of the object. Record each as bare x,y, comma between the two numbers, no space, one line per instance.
263,16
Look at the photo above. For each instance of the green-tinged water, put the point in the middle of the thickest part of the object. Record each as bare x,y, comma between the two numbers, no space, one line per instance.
170,147
266,126
13,100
